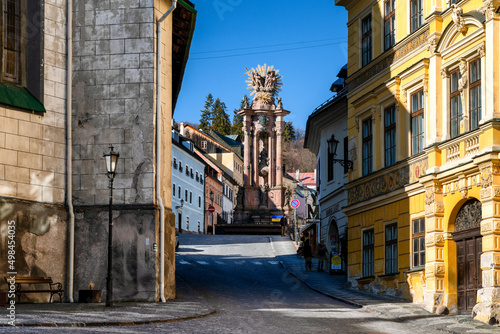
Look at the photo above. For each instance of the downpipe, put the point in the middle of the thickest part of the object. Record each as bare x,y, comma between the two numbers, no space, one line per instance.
69,151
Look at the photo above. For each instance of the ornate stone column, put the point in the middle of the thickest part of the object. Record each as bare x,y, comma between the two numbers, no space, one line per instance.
246,153
492,28
255,163
279,150
487,310
434,243
272,171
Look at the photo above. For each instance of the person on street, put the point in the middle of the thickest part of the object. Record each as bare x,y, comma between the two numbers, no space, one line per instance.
322,255
307,252
283,223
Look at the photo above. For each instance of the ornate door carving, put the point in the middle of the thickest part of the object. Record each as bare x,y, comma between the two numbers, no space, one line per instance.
467,235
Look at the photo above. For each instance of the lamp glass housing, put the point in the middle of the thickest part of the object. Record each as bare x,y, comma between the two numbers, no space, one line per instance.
111,161
332,145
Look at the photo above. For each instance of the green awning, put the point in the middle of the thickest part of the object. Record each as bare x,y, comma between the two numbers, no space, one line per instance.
19,97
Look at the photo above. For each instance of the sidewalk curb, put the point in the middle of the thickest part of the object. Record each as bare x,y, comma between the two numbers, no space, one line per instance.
112,323
345,301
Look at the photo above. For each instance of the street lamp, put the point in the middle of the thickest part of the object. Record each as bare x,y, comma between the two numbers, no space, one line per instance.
332,149
111,161
211,213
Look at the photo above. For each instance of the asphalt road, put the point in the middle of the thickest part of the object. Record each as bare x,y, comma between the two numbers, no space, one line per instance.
242,279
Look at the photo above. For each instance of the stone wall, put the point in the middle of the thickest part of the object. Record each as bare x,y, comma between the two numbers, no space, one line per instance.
32,156
114,93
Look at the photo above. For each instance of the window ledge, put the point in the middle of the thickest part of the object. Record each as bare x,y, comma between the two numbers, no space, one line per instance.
20,97
391,275
365,279
414,270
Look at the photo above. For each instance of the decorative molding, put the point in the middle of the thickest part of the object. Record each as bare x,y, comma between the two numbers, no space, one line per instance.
462,82
432,45
445,73
400,51
486,177
458,20
387,182
469,216
488,9
481,51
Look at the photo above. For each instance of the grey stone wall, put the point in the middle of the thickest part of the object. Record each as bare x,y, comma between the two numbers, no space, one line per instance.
113,99
133,254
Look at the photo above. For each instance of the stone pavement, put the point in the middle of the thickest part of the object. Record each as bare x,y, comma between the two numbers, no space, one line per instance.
384,307
188,305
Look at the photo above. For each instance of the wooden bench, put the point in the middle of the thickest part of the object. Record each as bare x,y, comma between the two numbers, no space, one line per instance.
53,288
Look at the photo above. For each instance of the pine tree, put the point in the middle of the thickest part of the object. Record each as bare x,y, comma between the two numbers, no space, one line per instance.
220,121
207,116
288,132
237,126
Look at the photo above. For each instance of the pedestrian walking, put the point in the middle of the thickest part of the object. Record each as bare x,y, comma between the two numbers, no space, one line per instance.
307,252
283,223
322,255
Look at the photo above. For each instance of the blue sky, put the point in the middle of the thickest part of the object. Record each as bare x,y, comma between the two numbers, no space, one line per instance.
305,40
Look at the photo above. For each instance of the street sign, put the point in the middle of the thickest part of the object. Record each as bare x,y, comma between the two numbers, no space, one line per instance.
211,209
295,203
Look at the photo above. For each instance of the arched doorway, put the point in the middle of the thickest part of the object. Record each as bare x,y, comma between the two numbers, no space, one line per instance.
468,239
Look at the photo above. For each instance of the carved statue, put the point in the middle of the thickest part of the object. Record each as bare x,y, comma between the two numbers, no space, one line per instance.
458,20
246,105
240,197
462,82
288,196
264,195
270,82
264,83
280,104
263,160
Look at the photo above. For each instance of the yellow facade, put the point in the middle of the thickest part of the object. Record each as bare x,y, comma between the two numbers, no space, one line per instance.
423,123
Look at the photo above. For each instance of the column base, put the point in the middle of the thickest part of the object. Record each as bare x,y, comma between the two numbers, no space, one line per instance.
487,312
488,308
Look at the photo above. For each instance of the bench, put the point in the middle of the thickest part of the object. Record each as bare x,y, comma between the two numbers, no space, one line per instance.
53,288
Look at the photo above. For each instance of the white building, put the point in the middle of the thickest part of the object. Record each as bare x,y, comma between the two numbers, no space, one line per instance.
188,199
327,123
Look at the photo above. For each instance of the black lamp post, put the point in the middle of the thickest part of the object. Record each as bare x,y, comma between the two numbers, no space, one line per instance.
111,161
332,149
212,200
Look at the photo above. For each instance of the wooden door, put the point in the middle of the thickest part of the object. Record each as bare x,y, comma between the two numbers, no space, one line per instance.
469,279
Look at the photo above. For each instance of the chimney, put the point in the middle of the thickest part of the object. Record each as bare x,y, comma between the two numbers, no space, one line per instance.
297,175
181,128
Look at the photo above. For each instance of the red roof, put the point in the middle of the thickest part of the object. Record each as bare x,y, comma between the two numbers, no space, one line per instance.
307,179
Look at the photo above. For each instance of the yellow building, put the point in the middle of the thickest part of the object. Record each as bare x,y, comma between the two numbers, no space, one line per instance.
423,121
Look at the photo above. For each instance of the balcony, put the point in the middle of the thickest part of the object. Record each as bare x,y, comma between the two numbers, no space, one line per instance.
462,147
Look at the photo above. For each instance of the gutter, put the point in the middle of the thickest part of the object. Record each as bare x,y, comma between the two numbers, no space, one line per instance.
158,151
69,152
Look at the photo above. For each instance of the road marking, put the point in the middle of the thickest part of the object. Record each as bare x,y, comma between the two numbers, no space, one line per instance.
202,262
257,263
273,262
184,262
239,262
219,262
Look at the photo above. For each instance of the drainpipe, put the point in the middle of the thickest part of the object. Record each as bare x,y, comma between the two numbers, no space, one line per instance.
158,150
69,151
